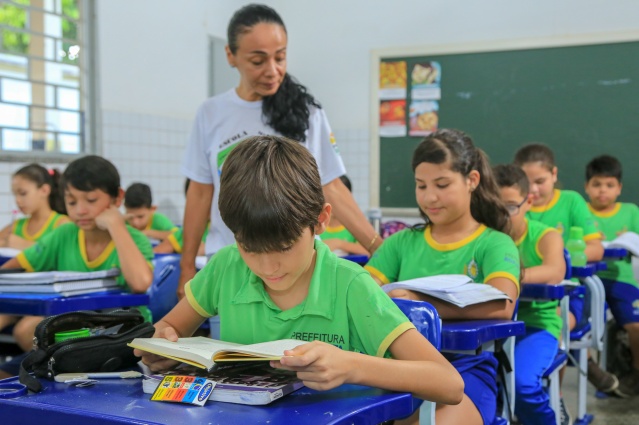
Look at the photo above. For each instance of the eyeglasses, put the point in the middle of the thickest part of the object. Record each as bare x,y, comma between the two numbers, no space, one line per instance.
514,209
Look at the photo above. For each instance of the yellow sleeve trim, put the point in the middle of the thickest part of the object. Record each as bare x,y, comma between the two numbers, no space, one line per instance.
24,263
505,275
174,243
392,336
592,236
377,274
193,302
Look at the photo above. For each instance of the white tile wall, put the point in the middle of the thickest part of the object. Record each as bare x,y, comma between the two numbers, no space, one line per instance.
149,149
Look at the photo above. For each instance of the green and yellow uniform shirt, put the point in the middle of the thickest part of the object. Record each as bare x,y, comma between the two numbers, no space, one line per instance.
410,254
65,250
20,227
537,314
623,218
565,210
344,306
338,232
160,222
177,239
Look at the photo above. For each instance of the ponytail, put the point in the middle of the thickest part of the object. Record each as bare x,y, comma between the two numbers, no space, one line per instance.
486,205
287,111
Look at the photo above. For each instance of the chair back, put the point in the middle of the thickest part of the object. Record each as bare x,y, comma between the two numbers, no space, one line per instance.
162,292
425,318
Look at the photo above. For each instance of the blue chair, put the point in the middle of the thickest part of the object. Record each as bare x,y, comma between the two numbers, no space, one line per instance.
162,292
427,322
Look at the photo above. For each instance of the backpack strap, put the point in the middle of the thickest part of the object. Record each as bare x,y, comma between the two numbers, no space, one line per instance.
26,378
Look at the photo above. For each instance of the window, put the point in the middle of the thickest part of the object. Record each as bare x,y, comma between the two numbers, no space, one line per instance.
43,77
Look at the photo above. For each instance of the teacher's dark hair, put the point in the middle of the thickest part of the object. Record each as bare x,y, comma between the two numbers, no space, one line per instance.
287,111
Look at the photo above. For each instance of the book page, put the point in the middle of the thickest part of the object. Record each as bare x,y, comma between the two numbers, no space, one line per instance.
267,350
199,350
628,240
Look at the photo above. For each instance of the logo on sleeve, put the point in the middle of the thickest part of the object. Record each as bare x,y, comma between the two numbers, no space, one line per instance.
471,269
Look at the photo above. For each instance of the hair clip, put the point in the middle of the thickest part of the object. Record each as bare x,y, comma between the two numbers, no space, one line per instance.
51,171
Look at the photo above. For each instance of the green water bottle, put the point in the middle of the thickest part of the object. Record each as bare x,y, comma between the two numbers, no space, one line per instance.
576,246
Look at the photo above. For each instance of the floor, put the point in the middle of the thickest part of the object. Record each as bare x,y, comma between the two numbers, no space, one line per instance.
606,411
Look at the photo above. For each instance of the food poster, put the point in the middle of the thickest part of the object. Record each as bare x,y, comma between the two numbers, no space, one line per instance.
392,118
392,80
424,117
425,81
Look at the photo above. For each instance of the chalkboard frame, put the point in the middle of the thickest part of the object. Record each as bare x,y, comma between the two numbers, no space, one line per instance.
379,55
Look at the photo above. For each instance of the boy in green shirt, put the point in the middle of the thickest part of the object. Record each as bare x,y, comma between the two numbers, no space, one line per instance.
541,252
141,213
279,282
603,186
97,239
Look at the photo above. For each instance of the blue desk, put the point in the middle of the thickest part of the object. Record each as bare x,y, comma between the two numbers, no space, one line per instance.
50,304
615,253
538,291
359,259
472,335
121,401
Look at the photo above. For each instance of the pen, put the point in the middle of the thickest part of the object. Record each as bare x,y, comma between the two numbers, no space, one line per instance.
63,377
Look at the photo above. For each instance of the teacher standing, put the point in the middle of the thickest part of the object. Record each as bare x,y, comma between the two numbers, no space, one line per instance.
266,101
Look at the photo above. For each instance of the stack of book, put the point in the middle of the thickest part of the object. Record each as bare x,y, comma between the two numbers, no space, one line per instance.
62,283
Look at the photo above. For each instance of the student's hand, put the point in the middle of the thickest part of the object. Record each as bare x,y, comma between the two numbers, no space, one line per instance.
334,244
108,218
404,294
153,361
320,365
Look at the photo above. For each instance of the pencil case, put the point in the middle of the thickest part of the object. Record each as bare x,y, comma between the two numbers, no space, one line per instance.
83,341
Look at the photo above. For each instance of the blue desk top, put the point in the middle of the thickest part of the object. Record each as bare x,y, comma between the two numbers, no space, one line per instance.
119,401
50,304
540,291
359,259
587,270
615,253
470,335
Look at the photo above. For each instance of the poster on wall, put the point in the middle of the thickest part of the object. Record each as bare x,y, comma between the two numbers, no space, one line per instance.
425,81
423,117
392,80
392,118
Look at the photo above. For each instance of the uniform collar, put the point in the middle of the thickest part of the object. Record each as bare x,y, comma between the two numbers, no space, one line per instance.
320,300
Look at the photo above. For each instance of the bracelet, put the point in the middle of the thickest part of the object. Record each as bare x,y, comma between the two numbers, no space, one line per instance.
370,245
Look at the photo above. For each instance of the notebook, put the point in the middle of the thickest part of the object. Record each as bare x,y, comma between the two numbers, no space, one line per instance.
64,288
41,278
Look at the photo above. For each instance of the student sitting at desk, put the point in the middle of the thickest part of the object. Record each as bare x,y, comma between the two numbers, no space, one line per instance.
173,242
278,281
541,250
337,237
37,194
603,186
142,214
97,239
464,219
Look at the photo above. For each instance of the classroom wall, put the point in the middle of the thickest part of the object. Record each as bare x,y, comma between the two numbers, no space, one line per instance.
153,64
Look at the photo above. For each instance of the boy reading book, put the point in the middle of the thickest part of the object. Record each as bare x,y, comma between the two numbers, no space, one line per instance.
142,214
278,281
603,186
97,239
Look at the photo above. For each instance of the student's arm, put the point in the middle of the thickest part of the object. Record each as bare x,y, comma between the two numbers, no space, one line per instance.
4,235
350,247
181,321
553,267
349,214
416,367
594,250
13,263
199,198
16,242
133,265
164,247
157,234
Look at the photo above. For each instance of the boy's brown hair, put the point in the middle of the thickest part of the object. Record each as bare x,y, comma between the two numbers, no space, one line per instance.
270,191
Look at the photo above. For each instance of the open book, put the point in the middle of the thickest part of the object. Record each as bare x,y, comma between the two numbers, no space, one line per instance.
456,289
43,278
205,352
628,241
252,383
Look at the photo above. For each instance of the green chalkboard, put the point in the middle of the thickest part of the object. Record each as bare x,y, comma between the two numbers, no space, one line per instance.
582,101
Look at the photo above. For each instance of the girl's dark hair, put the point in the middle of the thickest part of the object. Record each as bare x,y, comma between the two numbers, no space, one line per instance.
40,176
287,111
270,192
535,152
456,148
90,173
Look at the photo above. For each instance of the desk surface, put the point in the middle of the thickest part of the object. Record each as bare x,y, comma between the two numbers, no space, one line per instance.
50,304
119,401
470,335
